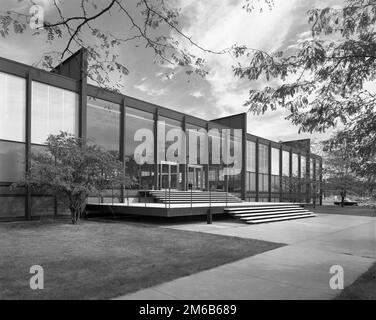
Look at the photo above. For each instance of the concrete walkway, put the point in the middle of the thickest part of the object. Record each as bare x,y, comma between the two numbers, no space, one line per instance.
299,270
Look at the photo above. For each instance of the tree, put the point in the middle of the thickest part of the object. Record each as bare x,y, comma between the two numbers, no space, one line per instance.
71,169
153,23
337,168
360,159
323,83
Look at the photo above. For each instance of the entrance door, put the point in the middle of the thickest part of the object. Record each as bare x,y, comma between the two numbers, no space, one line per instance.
195,177
168,175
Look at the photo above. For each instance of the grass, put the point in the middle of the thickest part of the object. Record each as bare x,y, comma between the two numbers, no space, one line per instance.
100,260
364,288
346,210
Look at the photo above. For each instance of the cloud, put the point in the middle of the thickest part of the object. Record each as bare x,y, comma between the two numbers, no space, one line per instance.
196,94
220,25
149,90
165,76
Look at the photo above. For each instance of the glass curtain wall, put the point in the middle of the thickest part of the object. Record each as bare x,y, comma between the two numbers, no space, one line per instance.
251,171
217,178
197,149
303,172
263,175
103,129
53,110
275,170
285,175
103,124
139,148
171,150
12,141
295,179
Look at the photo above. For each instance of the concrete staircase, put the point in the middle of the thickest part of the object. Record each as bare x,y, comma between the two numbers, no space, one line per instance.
162,196
269,213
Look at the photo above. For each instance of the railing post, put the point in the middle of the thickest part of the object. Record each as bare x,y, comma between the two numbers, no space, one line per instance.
191,195
169,196
209,216
209,196
127,197
112,195
145,197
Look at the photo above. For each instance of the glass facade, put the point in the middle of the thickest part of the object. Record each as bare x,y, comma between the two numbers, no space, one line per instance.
250,177
103,124
139,147
52,110
12,161
216,174
263,161
55,107
275,171
12,107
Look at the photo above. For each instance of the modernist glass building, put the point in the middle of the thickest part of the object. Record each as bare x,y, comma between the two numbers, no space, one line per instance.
35,103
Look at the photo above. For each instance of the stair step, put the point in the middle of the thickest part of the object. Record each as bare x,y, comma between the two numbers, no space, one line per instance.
264,210
279,219
257,208
292,214
269,213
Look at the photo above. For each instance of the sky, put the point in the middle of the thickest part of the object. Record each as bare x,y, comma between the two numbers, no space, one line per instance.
213,24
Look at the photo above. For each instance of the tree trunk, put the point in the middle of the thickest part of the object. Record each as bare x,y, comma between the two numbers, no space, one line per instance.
73,215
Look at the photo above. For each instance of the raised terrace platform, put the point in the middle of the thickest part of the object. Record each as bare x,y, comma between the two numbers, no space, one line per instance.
184,203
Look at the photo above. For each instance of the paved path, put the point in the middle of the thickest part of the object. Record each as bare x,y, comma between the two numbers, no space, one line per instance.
299,270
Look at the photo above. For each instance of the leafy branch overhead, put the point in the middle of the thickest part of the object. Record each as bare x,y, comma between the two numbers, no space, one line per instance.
322,82
151,23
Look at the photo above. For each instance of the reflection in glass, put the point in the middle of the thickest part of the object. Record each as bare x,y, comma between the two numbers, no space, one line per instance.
103,123
12,107
52,110
12,161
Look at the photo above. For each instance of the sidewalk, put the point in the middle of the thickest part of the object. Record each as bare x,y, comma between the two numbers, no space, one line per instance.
299,270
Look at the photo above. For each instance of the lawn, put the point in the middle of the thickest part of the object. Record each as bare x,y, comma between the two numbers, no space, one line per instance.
100,260
364,288
346,210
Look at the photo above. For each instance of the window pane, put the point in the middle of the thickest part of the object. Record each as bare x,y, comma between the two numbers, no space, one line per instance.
263,158
169,124
197,134
295,165
285,163
12,107
52,110
12,161
142,175
303,166
275,161
103,123
251,156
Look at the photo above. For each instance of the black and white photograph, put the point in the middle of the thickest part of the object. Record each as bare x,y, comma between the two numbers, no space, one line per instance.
185,156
